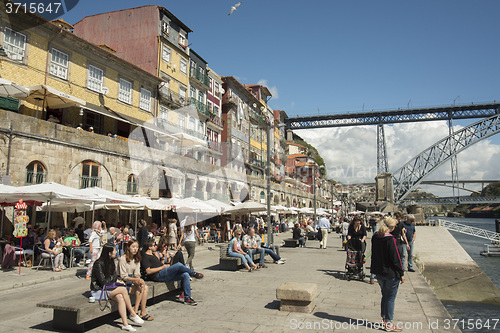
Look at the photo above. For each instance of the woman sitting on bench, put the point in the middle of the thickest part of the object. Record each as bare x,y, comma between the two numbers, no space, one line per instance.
235,250
104,272
129,266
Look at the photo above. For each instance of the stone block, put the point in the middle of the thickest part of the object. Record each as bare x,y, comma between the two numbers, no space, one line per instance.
296,306
297,291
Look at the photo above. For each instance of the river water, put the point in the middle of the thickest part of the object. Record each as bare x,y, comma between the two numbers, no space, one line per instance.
480,314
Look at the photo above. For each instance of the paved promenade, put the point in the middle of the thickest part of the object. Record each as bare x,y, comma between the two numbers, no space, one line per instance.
242,301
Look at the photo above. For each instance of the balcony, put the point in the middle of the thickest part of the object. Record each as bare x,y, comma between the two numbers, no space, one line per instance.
195,133
229,99
90,181
197,194
217,121
201,107
258,163
217,146
173,98
33,177
258,118
202,78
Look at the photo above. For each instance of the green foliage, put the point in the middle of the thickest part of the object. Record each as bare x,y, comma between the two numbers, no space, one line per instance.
312,152
491,190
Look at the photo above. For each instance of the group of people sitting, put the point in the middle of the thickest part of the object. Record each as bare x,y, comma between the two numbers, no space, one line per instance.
151,263
244,248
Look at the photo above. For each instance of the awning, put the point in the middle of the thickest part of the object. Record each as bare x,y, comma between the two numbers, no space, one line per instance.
53,98
104,111
146,124
174,173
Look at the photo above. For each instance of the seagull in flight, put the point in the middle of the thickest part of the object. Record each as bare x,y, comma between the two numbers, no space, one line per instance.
233,8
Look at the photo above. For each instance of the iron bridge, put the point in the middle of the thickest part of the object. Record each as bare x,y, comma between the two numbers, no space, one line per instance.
396,116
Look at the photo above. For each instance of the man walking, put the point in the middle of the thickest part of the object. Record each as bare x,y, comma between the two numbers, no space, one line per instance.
409,225
323,227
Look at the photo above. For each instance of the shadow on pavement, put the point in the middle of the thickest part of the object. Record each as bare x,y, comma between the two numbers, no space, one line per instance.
274,305
348,320
335,273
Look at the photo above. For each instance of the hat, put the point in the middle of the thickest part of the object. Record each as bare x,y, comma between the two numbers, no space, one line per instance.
410,217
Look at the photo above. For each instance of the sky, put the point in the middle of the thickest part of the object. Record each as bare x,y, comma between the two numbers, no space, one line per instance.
333,56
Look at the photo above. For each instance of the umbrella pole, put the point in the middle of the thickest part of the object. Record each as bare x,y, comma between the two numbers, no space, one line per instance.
1,225
93,212
130,217
50,211
135,233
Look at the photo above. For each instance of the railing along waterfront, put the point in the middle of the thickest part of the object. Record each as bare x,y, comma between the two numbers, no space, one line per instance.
468,230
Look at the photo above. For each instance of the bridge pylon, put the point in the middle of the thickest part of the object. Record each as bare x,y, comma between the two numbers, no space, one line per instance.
384,189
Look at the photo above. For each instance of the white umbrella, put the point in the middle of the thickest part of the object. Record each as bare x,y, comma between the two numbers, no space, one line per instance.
10,89
246,207
53,98
219,205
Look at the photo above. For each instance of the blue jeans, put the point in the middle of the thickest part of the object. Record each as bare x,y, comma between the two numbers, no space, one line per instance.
408,255
177,272
245,259
272,254
389,287
262,253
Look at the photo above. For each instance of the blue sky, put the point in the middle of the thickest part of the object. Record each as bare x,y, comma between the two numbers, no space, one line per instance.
338,55
343,56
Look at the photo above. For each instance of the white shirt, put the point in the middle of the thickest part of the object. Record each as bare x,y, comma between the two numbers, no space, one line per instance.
190,236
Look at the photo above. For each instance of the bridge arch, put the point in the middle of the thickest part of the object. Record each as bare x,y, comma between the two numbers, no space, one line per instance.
407,178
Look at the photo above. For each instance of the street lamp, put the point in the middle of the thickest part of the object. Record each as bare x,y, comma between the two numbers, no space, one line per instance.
270,240
314,189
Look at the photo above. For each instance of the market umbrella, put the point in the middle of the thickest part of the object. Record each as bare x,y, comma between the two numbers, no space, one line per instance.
246,207
10,89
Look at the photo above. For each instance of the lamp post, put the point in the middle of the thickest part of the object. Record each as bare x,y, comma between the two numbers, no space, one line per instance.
270,240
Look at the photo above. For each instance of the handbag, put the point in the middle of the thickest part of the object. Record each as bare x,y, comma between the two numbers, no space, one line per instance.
319,235
106,289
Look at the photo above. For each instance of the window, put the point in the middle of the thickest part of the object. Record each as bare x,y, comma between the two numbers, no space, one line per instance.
192,92
14,44
192,124
182,39
95,79
216,110
163,112
216,88
165,28
167,53
200,127
184,66
132,184
59,64
145,103
35,173
125,92
90,175
201,97
182,94
192,66
181,121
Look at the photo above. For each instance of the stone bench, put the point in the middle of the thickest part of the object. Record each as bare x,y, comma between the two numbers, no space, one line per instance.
71,313
290,242
297,296
228,263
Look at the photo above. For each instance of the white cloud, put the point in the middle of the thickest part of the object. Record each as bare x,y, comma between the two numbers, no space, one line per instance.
350,153
273,90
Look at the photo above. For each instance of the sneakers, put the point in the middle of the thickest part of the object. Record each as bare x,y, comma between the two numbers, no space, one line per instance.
180,297
283,259
87,261
280,262
77,265
263,266
137,320
390,327
411,270
87,278
198,275
190,301
129,328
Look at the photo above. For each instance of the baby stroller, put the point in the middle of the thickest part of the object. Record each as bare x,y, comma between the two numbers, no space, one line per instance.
355,260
